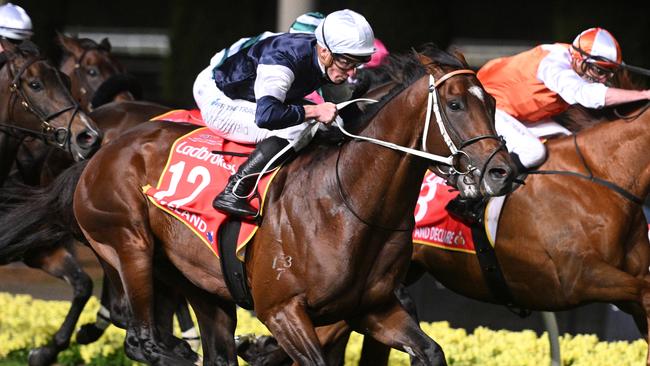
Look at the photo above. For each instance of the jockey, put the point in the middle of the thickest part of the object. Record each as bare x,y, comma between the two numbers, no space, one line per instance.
15,24
535,85
251,93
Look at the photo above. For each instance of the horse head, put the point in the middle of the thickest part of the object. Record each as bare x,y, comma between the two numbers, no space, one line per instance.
38,102
91,66
464,114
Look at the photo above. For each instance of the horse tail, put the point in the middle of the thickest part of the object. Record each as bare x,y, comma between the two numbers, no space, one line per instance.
38,217
115,85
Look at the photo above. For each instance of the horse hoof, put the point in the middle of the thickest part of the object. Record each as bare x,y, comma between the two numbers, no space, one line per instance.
88,333
181,347
132,349
42,356
263,350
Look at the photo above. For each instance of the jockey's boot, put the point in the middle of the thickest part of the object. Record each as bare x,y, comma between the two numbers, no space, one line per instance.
234,206
468,210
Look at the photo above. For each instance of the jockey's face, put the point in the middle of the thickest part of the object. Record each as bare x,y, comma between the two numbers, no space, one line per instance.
337,67
341,69
593,72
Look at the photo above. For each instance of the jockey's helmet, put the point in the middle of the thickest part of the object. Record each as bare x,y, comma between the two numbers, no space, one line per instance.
597,46
306,23
346,33
14,22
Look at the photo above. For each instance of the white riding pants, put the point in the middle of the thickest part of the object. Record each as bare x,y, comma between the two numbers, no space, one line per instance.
234,119
525,141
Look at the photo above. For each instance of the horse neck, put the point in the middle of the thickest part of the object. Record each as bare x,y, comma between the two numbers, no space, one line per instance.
617,151
390,180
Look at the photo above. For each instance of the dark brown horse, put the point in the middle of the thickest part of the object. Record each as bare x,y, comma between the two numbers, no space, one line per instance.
38,104
96,75
90,67
53,252
337,269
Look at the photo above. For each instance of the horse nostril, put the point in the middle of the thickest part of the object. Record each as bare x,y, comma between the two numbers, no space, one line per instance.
88,139
498,173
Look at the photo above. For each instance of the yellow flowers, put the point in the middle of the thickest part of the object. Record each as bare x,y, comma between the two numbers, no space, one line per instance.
26,323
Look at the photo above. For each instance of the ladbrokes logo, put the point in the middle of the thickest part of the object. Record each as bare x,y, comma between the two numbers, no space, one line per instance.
204,154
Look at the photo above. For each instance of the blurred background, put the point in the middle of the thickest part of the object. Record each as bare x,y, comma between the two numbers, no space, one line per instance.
165,43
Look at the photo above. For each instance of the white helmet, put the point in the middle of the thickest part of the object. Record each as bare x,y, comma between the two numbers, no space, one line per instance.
346,32
306,23
14,22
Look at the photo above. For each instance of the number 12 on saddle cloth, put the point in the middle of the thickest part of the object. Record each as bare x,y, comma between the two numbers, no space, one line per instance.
193,176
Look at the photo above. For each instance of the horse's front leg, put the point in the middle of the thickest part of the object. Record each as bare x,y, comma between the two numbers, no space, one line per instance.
294,330
217,321
394,327
61,263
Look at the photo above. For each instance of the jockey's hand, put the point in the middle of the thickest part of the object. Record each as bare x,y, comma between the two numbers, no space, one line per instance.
325,113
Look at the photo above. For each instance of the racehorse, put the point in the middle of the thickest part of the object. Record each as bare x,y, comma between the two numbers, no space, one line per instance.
38,103
556,256
90,67
361,200
96,75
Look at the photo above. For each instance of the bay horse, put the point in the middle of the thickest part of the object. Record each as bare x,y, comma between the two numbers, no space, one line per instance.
38,104
97,76
565,240
342,268
90,67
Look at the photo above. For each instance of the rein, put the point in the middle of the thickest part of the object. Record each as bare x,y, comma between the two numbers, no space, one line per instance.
590,176
59,135
441,118
634,116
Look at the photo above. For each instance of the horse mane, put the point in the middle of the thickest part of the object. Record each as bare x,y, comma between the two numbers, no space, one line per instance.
404,69
28,48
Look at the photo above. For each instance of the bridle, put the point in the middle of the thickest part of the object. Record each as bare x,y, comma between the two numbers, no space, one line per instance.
59,136
457,153
444,125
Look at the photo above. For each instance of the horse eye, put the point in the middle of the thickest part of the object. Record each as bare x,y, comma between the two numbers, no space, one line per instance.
454,105
35,85
92,72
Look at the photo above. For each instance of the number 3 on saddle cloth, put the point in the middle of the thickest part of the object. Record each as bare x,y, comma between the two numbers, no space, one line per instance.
194,175
434,226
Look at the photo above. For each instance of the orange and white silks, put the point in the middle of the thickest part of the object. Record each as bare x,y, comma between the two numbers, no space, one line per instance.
513,82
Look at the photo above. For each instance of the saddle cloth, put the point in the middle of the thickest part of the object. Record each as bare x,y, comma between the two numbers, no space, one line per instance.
435,227
194,175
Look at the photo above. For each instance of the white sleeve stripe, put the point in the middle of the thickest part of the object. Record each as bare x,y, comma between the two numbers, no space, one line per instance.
273,80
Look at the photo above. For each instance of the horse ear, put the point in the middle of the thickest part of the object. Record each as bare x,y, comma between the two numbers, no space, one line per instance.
69,44
105,45
426,61
459,55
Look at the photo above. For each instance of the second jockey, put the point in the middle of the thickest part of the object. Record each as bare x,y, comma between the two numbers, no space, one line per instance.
535,85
